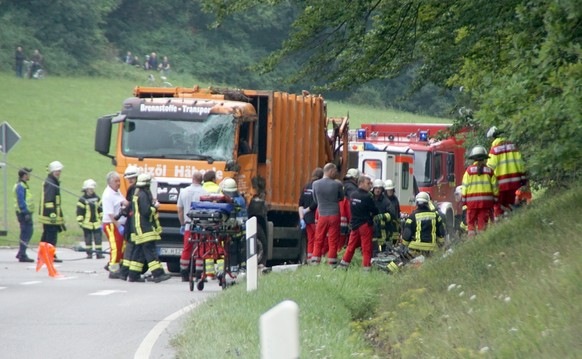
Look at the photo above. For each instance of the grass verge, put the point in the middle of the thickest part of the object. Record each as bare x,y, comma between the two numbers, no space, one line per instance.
511,292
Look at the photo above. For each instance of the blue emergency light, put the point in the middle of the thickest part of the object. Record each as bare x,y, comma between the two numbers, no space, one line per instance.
423,135
361,133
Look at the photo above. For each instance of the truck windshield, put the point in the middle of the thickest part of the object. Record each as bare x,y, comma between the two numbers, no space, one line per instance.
208,139
423,168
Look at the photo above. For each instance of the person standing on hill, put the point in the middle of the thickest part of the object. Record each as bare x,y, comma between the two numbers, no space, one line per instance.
363,212
51,214
37,62
24,206
479,191
19,61
307,220
327,194
509,169
89,214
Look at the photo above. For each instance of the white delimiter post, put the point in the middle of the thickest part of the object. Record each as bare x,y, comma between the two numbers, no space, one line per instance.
252,259
279,329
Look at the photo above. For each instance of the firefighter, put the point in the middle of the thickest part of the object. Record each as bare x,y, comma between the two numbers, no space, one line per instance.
383,222
479,191
89,214
424,230
509,168
307,221
188,195
145,231
327,194
363,212
24,206
51,214
391,195
130,175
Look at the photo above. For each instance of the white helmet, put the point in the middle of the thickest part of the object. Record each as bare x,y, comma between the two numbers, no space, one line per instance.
378,184
55,166
131,172
478,153
493,132
143,180
388,185
228,185
89,184
353,173
422,198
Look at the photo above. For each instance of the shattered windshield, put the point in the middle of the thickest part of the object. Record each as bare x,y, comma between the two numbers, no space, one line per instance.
209,139
423,167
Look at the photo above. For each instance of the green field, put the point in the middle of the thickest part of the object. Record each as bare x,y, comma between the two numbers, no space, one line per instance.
56,119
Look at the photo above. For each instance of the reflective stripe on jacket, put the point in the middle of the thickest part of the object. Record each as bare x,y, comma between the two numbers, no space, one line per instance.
507,164
423,230
479,190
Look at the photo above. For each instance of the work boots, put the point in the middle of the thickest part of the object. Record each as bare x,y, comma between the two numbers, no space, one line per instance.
185,275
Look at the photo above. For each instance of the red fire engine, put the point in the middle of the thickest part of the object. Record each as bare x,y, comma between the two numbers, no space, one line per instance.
438,165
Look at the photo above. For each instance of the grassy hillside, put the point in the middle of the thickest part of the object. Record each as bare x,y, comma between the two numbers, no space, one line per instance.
56,118
513,292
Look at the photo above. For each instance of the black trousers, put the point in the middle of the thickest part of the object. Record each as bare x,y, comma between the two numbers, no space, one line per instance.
50,233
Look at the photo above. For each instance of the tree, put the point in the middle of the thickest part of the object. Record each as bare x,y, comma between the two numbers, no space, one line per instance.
518,61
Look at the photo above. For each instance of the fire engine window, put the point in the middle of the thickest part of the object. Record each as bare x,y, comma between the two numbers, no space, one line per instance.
405,175
450,167
438,169
373,168
423,168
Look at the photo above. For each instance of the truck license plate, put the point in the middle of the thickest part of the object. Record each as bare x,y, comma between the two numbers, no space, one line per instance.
170,251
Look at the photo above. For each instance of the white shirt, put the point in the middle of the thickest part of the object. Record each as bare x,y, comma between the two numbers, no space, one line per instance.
111,201
188,195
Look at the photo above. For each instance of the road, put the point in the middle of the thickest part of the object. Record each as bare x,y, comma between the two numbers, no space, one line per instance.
85,314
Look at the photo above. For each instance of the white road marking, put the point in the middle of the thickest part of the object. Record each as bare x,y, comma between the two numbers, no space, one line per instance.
65,278
108,292
31,282
145,348
3,288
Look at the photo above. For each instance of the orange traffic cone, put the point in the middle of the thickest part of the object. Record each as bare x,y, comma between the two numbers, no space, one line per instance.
46,256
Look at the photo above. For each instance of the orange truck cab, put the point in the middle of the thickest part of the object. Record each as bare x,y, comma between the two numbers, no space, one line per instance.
438,165
268,141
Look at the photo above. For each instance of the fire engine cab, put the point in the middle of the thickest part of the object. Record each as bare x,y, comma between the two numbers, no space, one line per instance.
437,166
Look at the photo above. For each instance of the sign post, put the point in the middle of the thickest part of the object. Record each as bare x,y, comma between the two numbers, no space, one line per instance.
8,138
252,256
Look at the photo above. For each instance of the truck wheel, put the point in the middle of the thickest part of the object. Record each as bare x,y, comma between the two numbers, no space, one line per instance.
261,246
173,265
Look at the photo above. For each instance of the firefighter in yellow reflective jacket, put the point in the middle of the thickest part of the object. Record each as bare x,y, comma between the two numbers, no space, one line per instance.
424,231
479,191
50,212
89,214
509,168
145,231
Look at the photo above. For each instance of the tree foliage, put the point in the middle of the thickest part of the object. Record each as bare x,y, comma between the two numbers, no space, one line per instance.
517,61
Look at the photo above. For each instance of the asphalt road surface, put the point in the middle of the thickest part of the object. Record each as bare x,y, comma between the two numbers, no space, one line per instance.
85,314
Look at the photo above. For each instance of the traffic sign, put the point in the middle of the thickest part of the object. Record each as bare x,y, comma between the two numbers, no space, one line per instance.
8,137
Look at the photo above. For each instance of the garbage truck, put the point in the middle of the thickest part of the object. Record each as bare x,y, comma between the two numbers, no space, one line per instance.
268,141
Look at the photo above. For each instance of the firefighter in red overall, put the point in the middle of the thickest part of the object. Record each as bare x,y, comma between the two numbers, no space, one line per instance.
479,191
